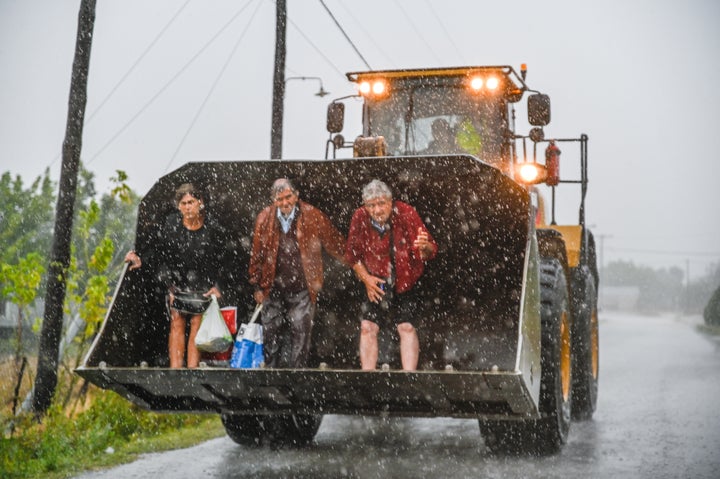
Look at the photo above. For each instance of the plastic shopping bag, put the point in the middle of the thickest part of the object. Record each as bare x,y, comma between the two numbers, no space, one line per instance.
248,350
213,335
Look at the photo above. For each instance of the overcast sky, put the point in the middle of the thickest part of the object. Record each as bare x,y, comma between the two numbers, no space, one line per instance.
173,81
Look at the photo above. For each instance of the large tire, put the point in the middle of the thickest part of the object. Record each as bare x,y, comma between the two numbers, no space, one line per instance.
586,352
294,430
290,430
246,430
546,435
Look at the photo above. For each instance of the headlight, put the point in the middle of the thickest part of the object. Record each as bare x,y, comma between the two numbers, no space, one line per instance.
531,173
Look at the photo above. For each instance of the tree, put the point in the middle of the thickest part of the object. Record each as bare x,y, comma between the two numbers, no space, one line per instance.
659,289
711,314
26,217
118,214
101,235
46,377
100,232
702,294
19,284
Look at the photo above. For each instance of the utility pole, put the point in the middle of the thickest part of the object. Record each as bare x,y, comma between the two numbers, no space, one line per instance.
602,266
602,252
276,129
686,305
46,379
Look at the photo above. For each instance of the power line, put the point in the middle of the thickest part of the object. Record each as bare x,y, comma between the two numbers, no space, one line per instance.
418,32
139,59
360,26
447,34
130,70
212,88
666,252
169,82
346,35
315,47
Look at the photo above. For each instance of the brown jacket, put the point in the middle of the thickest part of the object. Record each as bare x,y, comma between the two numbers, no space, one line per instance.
315,231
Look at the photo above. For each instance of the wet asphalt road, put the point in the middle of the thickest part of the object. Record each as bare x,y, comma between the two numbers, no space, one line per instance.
658,416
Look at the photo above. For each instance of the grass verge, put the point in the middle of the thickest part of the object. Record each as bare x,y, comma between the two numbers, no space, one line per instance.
110,431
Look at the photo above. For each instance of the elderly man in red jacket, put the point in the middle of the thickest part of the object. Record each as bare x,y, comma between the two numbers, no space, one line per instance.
387,247
286,270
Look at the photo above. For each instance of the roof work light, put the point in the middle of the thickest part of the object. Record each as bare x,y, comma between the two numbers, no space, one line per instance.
480,83
376,88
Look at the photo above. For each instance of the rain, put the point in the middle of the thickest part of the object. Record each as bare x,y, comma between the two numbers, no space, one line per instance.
185,98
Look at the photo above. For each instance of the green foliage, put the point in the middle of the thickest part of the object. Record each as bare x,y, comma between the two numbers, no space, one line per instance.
63,444
700,290
102,232
93,268
20,282
27,216
118,212
711,314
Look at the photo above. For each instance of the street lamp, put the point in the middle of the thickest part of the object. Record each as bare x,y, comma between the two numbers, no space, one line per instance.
278,113
321,92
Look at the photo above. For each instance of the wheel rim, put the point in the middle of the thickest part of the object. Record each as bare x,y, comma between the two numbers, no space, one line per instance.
565,355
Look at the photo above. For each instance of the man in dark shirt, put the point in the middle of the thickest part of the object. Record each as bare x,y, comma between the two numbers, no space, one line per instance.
286,270
387,247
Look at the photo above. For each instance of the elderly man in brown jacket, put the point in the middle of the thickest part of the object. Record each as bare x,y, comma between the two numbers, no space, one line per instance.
286,270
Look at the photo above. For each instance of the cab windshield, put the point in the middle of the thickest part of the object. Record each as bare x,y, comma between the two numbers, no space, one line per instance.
437,119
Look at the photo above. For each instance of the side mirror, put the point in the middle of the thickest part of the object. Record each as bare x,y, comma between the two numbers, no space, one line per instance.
539,109
335,117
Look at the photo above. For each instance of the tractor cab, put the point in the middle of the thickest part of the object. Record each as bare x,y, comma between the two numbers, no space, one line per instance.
445,111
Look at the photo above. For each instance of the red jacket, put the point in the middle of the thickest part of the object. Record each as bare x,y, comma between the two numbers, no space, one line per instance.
315,231
365,245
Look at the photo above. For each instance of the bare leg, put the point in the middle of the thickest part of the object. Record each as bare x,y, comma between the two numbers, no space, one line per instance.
368,344
193,354
176,342
409,346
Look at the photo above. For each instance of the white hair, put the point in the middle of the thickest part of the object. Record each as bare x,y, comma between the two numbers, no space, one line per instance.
280,185
376,189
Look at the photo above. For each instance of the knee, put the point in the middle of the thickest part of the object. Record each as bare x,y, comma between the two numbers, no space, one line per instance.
177,325
406,328
369,329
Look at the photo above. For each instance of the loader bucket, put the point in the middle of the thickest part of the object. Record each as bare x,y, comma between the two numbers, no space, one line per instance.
470,323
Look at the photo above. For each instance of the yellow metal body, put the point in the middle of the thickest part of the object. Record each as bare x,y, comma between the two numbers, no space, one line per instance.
572,234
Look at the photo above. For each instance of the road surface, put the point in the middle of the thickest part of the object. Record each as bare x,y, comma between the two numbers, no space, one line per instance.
658,416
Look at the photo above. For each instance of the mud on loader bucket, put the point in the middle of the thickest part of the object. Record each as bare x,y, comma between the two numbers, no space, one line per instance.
479,341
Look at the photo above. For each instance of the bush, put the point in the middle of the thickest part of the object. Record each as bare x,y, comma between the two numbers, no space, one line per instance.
65,443
712,310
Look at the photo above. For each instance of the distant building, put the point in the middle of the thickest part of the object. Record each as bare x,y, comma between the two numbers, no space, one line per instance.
619,298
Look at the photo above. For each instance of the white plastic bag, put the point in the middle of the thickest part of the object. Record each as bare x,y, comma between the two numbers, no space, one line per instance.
213,335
